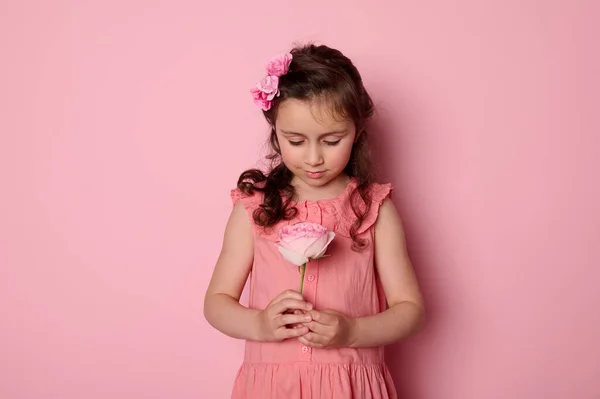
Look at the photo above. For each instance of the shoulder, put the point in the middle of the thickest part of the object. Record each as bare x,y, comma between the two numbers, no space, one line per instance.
388,210
389,221
241,220
382,205
238,219
385,213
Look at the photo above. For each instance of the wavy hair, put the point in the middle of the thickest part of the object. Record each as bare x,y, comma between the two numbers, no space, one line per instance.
323,73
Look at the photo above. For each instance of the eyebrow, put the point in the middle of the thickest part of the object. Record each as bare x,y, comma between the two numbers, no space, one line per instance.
321,135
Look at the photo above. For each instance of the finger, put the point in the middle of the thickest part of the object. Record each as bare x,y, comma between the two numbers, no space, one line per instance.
322,317
310,339
302,312
289,303
294,319
294,311
285,333
295,325
317,328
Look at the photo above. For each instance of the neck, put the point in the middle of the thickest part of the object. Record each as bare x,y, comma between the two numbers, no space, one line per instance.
332,189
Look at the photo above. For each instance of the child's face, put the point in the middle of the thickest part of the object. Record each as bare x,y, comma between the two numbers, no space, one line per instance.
315,144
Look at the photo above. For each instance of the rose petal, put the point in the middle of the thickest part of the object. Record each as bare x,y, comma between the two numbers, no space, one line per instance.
272,95
292,257
298,244
269,84
279,65
330,237
316,247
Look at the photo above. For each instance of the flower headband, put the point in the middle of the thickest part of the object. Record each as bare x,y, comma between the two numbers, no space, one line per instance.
267,89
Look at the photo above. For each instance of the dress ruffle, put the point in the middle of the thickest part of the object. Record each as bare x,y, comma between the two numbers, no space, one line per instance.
308,380
336,207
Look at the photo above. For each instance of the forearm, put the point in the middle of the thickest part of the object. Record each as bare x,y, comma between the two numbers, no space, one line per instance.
231,318
387,327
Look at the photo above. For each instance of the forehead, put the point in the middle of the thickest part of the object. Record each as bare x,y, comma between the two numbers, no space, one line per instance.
310,117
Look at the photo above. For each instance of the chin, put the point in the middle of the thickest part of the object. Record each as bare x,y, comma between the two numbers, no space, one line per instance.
317,182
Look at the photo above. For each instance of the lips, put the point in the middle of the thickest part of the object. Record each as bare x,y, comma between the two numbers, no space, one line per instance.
315,175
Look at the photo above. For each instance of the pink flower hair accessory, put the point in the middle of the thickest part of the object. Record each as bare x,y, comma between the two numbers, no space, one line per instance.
267,89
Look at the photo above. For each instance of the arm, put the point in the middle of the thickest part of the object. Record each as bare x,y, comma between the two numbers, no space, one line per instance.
221,302
405,313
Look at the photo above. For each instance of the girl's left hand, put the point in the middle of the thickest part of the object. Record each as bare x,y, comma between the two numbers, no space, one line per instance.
328,328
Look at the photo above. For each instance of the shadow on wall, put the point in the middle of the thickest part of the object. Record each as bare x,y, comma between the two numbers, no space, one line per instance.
407,359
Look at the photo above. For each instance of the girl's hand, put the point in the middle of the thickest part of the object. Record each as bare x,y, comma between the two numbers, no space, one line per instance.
328,328
283,317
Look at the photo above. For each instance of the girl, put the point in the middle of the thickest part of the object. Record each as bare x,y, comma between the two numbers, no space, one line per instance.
328,341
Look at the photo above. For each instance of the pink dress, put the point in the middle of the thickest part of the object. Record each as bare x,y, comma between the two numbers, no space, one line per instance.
345,281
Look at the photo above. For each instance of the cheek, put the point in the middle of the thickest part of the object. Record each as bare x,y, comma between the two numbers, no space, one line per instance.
340,156
289,154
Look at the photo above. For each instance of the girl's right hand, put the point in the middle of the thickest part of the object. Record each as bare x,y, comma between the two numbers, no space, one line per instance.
286,309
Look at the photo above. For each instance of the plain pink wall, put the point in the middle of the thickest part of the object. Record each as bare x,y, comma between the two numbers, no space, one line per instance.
123,125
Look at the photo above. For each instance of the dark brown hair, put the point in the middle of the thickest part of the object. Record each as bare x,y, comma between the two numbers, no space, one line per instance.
325,74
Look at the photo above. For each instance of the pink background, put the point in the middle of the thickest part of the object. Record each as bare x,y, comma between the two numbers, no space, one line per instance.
123,125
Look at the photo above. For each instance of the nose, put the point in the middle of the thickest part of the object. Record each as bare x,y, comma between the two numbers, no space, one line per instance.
313,156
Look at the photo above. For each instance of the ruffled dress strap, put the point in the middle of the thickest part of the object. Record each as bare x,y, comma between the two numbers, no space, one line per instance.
378,192
250,201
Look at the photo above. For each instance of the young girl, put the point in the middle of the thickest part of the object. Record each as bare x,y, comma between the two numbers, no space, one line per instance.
326,342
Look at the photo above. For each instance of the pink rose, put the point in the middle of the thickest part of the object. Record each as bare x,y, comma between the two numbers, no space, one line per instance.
260,99
279,66
265,91
303,242
269,87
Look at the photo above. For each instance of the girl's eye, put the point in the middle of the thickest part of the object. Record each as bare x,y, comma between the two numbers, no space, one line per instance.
330,143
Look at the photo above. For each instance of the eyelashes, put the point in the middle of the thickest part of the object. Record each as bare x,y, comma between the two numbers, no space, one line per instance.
329,143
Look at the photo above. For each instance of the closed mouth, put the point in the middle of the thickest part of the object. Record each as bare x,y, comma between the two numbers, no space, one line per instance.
315,175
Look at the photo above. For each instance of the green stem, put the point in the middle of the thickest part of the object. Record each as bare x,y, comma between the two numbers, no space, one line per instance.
303,268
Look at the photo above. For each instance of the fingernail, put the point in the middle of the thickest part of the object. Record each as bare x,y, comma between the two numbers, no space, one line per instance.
308,306
307,317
